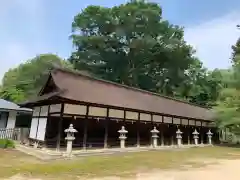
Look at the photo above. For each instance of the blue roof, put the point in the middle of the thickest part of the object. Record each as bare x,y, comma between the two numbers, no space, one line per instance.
7,105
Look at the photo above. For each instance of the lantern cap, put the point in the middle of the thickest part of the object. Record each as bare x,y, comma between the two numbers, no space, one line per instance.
123,130
209,132
195,132
154,130
179,131
70,129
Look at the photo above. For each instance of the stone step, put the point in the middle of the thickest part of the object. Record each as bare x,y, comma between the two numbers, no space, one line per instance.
33,152
53,155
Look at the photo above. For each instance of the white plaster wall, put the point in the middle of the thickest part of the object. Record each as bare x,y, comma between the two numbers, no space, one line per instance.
33,129
44,111
41,129
38,125
11,119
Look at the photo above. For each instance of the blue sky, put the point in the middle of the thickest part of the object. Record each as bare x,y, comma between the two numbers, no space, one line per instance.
30,27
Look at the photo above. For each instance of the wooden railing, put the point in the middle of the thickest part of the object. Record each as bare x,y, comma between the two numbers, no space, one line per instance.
16,134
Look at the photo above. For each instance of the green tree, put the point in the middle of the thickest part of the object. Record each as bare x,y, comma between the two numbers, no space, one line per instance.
228,109
226,77
26,80
131,44
236,51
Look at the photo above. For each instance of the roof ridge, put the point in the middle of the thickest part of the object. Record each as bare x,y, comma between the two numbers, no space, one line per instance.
78,73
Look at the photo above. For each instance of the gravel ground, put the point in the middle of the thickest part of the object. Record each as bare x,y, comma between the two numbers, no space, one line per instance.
216,170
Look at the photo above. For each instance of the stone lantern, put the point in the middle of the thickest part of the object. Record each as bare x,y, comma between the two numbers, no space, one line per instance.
209,134
122,136
154,136
195,137
70,138
179,137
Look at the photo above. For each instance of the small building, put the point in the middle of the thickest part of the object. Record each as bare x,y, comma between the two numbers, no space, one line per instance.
9,112
98,109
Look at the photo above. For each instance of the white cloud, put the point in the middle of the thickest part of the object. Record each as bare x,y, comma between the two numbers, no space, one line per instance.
213,40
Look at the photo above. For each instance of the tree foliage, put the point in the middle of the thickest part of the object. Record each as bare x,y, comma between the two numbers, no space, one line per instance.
133,45
228,108
129,44
25,81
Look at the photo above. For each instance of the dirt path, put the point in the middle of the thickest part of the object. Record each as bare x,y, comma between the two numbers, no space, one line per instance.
217,170
221,170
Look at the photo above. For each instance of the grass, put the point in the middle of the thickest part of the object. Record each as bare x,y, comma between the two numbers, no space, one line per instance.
6,143
13,162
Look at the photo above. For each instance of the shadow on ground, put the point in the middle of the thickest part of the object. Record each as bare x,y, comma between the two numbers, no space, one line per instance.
235,145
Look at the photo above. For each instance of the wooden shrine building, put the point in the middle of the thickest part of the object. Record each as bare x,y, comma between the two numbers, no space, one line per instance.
98,108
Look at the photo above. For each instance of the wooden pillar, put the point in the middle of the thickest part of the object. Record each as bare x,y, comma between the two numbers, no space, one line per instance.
162,131
172,140
152,125
60,128
36,139
172,133
162,134
106,130
202,134
123,123
182,128
124,118
225,133
138,127
46,129
189,133
85,129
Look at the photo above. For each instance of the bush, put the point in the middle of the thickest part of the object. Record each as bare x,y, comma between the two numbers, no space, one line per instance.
3,143
6,143
10,144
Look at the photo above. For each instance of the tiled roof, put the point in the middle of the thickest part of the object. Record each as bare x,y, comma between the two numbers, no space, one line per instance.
7,105
87,89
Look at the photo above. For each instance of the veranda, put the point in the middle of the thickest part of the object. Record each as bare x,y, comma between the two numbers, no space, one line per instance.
98,109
